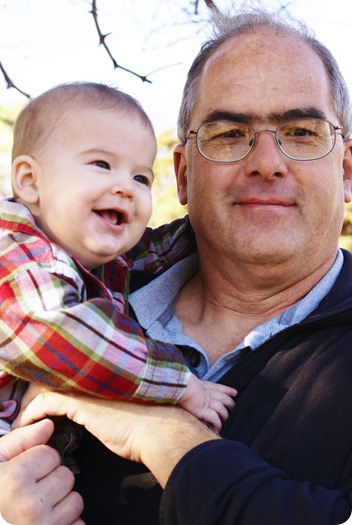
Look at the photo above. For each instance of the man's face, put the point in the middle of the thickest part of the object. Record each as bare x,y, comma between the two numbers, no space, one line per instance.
265,208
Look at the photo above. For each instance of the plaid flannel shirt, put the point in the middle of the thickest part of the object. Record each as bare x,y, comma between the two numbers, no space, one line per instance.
62,327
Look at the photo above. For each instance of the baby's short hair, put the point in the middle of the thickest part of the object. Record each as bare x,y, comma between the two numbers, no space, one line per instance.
38,119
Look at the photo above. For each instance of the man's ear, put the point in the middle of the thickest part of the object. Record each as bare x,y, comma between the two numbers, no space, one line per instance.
181,173
24,179
347,170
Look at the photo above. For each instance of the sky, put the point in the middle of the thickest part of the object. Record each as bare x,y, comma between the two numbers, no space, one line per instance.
46,42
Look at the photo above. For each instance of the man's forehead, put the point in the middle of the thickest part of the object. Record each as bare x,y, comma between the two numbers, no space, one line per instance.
263,73
260,39
259,45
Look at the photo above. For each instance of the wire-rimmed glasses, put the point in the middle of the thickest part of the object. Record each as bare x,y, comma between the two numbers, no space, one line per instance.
301,139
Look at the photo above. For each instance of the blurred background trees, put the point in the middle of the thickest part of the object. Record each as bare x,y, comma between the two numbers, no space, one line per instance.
142,47
166,204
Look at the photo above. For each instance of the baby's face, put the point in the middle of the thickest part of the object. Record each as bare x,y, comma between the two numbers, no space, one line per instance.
95,182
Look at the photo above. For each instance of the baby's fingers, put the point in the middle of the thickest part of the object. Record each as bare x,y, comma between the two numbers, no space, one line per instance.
228,390
218,387
222,393
218,412
213,419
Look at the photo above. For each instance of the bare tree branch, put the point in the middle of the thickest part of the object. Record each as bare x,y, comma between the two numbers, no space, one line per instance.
284,7
9,82
211,5
102,42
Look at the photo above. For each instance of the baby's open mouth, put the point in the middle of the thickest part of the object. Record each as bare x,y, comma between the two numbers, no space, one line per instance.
112,216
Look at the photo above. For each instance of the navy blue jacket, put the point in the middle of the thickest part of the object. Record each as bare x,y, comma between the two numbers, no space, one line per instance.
286,456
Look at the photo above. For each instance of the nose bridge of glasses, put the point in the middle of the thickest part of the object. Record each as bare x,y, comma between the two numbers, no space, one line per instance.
265,131
255,133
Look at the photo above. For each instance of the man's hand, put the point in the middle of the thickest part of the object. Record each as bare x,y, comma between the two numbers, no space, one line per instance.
134,431
35,489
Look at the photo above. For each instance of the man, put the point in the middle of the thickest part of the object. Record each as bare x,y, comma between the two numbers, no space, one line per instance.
265,167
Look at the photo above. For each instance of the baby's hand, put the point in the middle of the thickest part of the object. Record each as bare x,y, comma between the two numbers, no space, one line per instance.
208,401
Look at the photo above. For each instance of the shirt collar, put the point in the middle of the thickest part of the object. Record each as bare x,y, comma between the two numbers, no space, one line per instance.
156,300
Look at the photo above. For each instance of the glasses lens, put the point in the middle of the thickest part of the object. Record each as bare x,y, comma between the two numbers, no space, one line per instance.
224,141
306,138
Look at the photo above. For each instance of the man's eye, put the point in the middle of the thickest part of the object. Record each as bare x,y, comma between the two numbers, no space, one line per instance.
233,134
301,132
101,164
142,179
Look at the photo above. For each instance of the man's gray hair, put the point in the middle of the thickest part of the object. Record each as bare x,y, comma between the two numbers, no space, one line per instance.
226,26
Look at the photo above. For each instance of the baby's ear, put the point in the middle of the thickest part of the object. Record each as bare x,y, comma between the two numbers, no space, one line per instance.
24,179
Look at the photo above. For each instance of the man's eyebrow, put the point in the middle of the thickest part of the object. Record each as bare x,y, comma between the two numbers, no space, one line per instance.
297,113
243,118
277,117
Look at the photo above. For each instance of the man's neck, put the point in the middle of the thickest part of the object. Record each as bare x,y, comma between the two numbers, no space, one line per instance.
218,309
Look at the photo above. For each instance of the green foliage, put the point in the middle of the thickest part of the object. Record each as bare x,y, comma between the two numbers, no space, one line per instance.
7,119
166,204
345,240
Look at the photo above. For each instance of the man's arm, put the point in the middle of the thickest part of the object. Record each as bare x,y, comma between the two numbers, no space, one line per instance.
138,432
242,488
35,489
207,480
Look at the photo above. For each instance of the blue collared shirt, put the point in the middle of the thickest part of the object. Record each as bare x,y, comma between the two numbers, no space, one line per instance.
154,308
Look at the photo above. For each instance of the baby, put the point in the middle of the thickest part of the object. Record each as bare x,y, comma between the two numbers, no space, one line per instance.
82,175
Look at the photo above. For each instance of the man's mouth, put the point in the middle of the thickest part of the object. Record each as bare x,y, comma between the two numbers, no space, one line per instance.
112,216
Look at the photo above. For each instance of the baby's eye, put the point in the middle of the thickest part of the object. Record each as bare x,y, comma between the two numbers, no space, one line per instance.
101,164
142,179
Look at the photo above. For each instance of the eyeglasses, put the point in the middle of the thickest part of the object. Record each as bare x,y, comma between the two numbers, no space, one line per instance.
304,139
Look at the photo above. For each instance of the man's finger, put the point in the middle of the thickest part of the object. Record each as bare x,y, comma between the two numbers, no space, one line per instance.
68,510
47,404
23,439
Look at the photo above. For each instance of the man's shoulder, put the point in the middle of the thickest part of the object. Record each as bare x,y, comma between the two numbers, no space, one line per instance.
162,247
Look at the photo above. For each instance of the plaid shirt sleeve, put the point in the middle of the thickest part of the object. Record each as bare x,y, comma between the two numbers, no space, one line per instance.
51,333
162,247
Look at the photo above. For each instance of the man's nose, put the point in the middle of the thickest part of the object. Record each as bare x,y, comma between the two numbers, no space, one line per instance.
266,158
